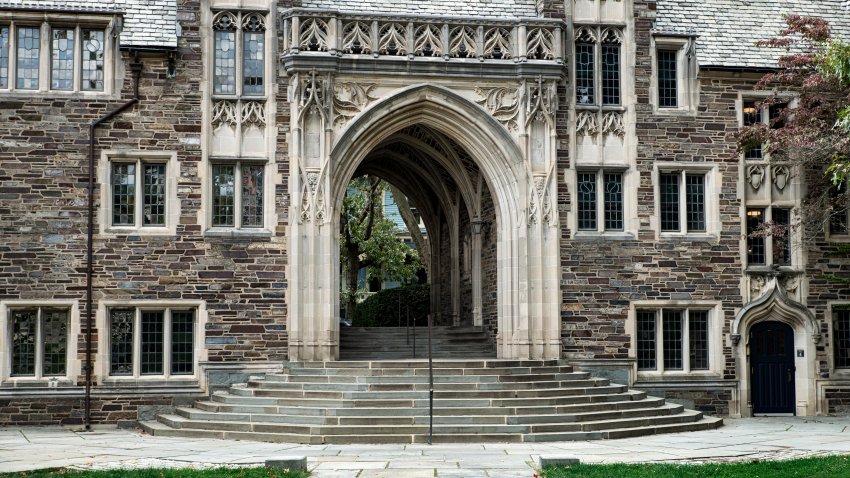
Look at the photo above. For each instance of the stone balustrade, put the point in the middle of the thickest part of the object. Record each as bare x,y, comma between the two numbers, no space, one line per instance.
309,31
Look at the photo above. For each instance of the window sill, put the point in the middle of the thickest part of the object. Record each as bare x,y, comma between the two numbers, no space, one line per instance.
239,233
678,111
139,231
59,94
33,382
647,377
151,381
762,269
590,236
696,237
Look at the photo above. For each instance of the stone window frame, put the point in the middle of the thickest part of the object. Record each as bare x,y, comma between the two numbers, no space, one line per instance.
687,70
618,38
831,308
103,357
46,22
715,340
600,222
712,190
241,14
237,230
73,366
172,204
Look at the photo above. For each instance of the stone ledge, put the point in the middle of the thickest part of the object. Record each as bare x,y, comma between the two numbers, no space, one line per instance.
288,462
557,460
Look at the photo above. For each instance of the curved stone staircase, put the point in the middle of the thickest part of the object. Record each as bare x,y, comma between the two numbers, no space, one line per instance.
387,402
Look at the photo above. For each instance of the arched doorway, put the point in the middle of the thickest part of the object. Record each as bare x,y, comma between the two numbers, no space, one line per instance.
525,234
772,370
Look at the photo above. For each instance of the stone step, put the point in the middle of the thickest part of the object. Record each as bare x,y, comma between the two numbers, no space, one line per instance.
481,363
394,371
424,378
408,394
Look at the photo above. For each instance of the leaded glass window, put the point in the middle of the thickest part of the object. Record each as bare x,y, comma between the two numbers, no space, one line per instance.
121,326
93,60
153,200
781,235
4,56
614,201
62,57
224,63
153,323
752,116
841,330
587,201
585,94
253,55
24,336
29,47
182,342
695,202
224,195
669,202
756,247
39,345
252,195
123,194
668,91
54,332
646,336
610,74
684,335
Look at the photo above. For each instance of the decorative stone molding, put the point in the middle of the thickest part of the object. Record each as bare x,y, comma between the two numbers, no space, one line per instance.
775,304
254,23
502,103
781,175
350,98
497,44
542,101
393,39
253,114
540,44
755,176
427,41
612,35
225,113
225,21
586,123
314,35
463,44
585,35
356,37
612,123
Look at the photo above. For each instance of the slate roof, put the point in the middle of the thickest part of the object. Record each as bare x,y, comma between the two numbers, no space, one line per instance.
147,23
461,8
729,29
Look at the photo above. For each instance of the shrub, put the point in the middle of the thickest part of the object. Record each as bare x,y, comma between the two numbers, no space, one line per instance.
382,308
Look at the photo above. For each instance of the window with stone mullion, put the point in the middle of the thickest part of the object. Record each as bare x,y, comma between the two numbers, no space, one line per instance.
138,200
238,195
151,342
600,201
841,330
610,74
674,340
584,72
239,54
39,342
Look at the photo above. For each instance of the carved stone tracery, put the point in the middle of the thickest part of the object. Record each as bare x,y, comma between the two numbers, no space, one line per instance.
502,103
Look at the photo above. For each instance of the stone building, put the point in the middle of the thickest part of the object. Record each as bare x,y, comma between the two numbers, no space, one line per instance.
570,162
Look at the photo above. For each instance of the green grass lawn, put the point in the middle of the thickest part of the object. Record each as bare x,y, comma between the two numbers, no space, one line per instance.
161,473
826,467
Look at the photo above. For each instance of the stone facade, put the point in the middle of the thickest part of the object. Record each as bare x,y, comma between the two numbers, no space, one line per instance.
469,130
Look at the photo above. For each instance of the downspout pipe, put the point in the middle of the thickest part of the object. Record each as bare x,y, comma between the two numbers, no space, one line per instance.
136,69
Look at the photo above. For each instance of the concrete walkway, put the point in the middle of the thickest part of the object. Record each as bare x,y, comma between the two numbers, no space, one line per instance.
28,448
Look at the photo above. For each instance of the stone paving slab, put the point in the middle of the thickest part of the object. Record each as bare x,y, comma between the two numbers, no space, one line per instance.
105,448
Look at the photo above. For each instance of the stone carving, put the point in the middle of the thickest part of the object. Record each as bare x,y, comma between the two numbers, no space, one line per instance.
612,123
350,99
791,283
542,101
393,40
502,103
463,44
539,5
780,176
225,113
356,38
254,23
427,41
497,44
612,35
314,35
253,114
224,21
540,44
755,176
586,123
757,283
585,35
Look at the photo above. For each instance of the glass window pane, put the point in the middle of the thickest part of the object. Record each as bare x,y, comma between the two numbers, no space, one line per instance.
839,219
668,94
584,74
121,341
224,78
4,56
153,204
646,350
55,333
695,202
610,74
841,327
669,201
23,341
587,201
671,330
29,46
252,195
223,195
781,236
698,339
62,57
182,342
253,64
153,325
123,194
756,251
613,201
93,64
752,116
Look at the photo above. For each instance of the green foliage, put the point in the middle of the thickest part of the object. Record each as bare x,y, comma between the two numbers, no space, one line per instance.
382,308
822,467
161,473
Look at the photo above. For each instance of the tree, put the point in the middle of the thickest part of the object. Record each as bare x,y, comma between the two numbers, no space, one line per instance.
814,134
369,240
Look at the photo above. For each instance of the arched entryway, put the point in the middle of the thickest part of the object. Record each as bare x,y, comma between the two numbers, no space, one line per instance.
776,366
429,117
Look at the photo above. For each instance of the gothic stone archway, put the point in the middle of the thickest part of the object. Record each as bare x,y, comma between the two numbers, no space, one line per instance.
521,186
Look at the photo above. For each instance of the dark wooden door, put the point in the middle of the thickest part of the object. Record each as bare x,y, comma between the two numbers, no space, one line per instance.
772,367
